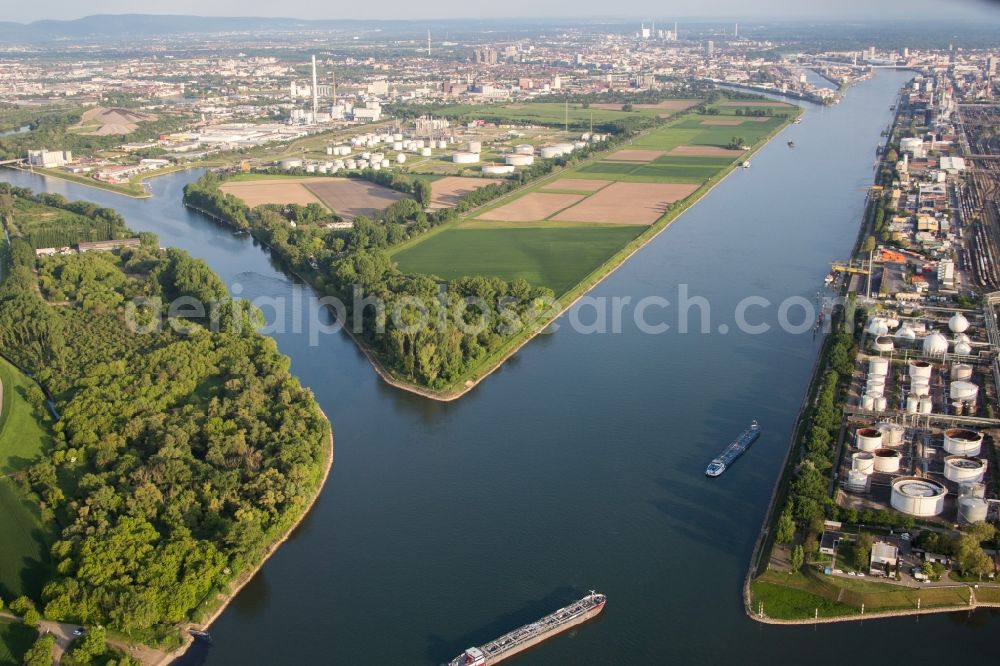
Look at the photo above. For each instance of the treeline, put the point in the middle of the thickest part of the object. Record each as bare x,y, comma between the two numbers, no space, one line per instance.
85,222
185,447
427,344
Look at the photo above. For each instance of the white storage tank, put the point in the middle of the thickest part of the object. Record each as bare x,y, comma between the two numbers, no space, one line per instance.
883,343
497,169
892,433
868,402
329,150
397,137
550,152
425,152
963,348
376,166
868,439
519,160
397,145
857,482
925,406
887,461
919,369
322,168
881,403
465,158
442,145
958,323
960,390
351,164
962,469
961,372
935,344
972,510
524,149
906,333
417,144
972,490
863,461
366,156
475,146
917,496
878,366
912,403
385,164
565,148
962,442
577,145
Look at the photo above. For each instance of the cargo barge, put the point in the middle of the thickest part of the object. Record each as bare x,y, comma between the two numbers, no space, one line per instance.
532,634
737,448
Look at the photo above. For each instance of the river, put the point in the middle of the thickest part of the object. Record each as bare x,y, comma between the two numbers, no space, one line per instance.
580,463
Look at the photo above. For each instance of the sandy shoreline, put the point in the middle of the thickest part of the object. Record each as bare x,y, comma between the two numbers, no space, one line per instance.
240,582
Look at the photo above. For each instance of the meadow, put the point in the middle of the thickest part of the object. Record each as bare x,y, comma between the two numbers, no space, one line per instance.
15,639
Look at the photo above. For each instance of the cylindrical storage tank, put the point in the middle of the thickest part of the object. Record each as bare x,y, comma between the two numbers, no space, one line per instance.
906,334
366,156
329,150
577,145
881,403
912,403
385,164
400,158
868,439
550,152
878,366
962,469
960,390
310,168
876,378
925,406
972,510
961,372
322,168
425,152
877,326
475,146
524,149
883,343
290,164
376,166
920,388
565,148
519,160
863,461
917,496
919,369
442,145
497,169
362,164
892,433
351,164
958,323
972,490
875,387
417,144
338,164
887,461
335,168
962,442
857,482
397,137
397,145
407,145
377,157
465,158
958,408
868,402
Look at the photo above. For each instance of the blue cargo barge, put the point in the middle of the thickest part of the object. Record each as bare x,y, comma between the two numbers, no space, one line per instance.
737,448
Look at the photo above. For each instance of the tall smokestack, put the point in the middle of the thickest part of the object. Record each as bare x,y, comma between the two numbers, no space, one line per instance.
315,91
675,31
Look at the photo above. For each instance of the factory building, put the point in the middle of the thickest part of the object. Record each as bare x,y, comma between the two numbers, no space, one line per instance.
49,159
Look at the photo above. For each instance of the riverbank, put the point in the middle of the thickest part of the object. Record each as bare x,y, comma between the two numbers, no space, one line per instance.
236,585
473,376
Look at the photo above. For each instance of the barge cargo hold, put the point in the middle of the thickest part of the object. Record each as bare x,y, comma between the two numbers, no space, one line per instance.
735,449
532,634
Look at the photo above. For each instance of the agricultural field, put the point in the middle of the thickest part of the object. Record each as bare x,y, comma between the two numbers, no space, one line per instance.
348,197
446,192
23,438
555,113
15,639
560,230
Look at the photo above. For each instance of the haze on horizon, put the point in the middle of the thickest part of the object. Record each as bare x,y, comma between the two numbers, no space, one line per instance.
458,9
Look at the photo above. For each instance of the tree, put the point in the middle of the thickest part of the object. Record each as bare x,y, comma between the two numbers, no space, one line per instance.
869,244
31,617
785,531
798,558
21,605
40,654
863,551
627,107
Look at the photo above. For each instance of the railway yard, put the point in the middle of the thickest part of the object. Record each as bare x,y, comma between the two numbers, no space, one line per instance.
980,191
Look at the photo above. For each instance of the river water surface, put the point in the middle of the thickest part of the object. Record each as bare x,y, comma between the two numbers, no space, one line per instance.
580,464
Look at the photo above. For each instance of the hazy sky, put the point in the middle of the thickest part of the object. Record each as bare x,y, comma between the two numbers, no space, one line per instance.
408,9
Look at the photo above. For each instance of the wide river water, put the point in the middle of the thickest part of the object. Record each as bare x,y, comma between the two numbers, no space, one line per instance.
580,464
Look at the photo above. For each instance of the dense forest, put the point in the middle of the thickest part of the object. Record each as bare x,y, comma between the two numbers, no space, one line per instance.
184,446
50,220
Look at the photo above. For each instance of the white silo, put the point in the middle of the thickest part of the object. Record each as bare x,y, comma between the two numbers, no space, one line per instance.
868,402
868,439
962,442
935,344
863,461
926,406
919,369
917,496
958,323
961,372
878,366
912,403
972,510
886,461
963,469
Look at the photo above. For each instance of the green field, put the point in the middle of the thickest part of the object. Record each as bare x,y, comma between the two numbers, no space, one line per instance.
556,257
561,255
545,113
15,639
25,542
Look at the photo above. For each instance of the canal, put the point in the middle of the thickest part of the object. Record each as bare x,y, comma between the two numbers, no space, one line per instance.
580,464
